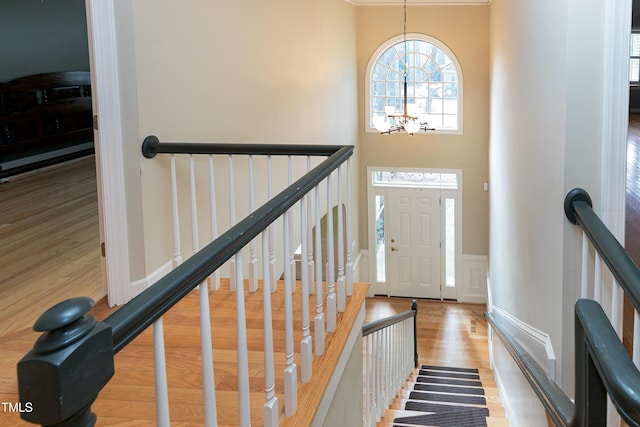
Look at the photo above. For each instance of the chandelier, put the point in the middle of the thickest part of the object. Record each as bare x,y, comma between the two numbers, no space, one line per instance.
410,119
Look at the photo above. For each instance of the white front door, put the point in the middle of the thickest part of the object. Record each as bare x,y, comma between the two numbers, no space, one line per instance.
413,238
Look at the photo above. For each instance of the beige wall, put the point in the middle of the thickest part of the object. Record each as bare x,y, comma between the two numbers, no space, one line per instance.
546,138
465,30
277,72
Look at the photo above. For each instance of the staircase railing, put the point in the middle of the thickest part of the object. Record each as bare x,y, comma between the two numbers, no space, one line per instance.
603,368
74,357
390,354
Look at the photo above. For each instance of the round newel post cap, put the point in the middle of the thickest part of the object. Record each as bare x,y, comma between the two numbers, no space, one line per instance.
149,146
575,195
63,324
63,314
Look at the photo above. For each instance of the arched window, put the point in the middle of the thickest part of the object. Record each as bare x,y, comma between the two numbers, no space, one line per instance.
434,82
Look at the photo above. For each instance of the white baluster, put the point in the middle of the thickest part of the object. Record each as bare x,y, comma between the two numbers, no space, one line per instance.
253,260
272,250
319,317
244,407
290,372
160,369
367,379
208,383
584,272
310,273
306,349
270,408
292,247
617,302
214,279
177,258
597,280
341,279
232,221
636,338
349,268
331,295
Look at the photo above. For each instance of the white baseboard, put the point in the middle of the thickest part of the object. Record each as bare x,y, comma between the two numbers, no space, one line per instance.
537,342
140,285
522,407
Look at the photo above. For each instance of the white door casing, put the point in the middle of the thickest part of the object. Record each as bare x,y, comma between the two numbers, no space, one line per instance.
109,148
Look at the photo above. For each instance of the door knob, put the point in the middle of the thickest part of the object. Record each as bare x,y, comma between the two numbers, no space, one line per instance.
394,249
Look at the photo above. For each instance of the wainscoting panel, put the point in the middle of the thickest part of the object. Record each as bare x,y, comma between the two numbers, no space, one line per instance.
474,279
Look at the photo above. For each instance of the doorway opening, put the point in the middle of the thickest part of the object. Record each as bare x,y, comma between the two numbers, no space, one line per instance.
415,228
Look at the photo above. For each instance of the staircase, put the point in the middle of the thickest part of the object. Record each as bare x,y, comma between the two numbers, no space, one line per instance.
447,397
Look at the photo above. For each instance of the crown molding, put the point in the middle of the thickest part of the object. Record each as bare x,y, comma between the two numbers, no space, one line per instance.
419,2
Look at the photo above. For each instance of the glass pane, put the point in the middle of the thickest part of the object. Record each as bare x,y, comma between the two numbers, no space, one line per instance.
435,106
634,70
380,254
416,179
450,122
635,44
436,76
378,89
422,90
388,57
450,242
435,90
450,106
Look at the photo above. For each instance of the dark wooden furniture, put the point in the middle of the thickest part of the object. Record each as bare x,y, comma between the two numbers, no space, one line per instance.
44,118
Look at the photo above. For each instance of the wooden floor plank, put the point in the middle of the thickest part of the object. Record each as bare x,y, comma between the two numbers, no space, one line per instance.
49,241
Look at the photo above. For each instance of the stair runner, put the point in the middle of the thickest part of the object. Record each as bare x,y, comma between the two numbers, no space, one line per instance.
447,397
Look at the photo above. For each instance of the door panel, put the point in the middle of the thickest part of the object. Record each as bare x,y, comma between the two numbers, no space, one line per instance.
414,242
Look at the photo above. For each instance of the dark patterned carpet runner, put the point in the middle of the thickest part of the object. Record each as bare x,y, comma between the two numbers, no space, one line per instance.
448,397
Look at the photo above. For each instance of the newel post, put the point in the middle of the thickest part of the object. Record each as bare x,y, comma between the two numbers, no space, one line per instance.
68,366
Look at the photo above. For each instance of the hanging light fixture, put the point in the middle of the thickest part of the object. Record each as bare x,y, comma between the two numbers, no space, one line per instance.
410,119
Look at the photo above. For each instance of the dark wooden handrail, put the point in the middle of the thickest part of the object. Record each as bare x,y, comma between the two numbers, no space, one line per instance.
603,367
578,209
139,313
74,357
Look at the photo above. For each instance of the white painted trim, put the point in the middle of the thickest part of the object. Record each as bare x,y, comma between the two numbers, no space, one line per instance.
360,256
440,45
109,146
140,285
531,337
382,288
473,288
615,114
420,2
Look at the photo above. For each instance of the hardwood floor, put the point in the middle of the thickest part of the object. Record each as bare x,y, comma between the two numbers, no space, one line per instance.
49,241
449,333
632,225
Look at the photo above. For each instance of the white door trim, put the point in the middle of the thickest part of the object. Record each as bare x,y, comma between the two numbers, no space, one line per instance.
109,147
615,114
380,288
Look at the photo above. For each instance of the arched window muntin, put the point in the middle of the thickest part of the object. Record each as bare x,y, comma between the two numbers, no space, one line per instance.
434,81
